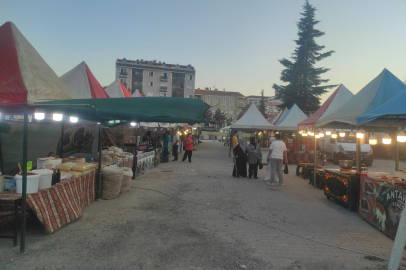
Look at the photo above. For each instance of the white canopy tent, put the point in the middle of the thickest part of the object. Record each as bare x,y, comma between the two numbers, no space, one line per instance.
293,117
252,119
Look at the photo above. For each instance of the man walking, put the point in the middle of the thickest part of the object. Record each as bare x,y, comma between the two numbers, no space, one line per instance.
278,154
175,144
188,148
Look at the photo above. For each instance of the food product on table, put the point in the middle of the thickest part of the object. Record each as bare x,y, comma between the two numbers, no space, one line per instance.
112,180
67,166
127,176
81,167
73,159
76,174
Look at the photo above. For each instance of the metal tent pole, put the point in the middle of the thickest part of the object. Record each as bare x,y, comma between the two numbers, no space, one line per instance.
397,152
61,146
99,172
314,160
358,155
24,190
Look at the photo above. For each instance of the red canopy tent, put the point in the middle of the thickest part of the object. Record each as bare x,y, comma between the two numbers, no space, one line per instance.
82,81
24,75
340,96
117,89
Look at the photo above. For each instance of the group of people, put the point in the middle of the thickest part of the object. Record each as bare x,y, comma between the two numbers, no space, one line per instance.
175,146
251,154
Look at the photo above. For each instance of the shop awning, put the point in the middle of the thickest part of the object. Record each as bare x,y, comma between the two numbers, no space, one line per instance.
289,122
117,90
117,111
252,120
380,90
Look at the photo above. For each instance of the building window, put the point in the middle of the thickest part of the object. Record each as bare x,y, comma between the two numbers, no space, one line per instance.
191,77
231,99
164,84
151,73
163,94
189,87
124,80
150,94
163,74
216,98
151,84
223,99
207,98
123,70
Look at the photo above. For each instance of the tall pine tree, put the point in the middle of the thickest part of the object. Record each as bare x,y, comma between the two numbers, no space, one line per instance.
302,77
262,107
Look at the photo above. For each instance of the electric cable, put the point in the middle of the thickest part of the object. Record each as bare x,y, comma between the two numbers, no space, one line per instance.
266,225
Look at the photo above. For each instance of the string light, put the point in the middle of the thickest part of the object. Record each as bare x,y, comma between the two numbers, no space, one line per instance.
387,139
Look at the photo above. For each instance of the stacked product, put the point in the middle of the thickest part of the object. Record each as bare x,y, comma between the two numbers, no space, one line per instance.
76,169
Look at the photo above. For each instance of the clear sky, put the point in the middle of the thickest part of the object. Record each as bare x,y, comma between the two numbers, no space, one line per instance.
233,44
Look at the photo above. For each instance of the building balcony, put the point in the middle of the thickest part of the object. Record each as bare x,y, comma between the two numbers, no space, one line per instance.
137,85
164,78
163,88
240,105
177,79
123,74
137,76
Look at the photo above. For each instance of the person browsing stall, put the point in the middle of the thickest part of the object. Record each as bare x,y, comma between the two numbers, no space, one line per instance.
175,145
188,148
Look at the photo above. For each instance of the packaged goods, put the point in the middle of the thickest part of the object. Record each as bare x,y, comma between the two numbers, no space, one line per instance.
67,166
81,167
74,159
112,180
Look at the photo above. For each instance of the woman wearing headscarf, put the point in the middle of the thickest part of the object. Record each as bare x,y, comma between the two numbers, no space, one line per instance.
240,167
254,157
268,173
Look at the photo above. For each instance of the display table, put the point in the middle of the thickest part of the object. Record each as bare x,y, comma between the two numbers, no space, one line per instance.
343,186
62,203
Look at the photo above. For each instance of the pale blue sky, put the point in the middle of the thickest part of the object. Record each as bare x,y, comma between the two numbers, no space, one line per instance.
233,44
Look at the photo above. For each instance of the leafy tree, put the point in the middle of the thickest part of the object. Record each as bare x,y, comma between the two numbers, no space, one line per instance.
219,117
262,107
208,115
229,121
302,77
243,111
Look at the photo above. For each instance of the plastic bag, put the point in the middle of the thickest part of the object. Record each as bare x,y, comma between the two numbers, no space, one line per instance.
81,167
286,170
67,166
112,180
127,177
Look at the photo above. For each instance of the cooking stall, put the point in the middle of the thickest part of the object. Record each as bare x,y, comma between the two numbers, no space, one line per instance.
343,185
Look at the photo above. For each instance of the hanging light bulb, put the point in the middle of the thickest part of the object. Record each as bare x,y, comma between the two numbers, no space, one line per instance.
311,133
342,133
317,136
334,135
373,140
133,124
57,117
39,114
304,134
387,139
73,119
360,134
401,136
328,132
321,133
300,131
352,134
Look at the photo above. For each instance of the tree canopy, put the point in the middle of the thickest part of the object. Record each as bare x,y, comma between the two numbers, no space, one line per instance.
304,84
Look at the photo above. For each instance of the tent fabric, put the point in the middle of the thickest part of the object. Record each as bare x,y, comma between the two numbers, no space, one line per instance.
136,94
115,111
391,109
117,90
377,92
24,75
82,81
339,97
289,122
252,119
280,116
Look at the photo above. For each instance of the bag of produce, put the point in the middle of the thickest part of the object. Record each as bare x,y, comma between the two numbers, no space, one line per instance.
81,167
112,180
127,179
67,166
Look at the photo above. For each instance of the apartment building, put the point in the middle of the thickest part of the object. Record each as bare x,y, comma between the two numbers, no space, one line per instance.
271,103
231,103
156,79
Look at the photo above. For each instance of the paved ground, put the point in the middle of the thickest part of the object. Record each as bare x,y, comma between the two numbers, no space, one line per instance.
196,216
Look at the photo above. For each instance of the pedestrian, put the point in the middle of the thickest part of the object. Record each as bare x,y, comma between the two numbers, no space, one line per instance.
175,145
188,148
254,157
241,143
268,173
167,141
239,158
277,155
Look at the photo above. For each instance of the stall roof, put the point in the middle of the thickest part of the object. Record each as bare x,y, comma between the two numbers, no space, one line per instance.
252,119
82,81
279,116
24,75
386,114
339,97
136,94
377,92
116,111
117,90
289,122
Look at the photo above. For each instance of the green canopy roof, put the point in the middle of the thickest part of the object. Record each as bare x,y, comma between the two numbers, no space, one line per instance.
147,109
